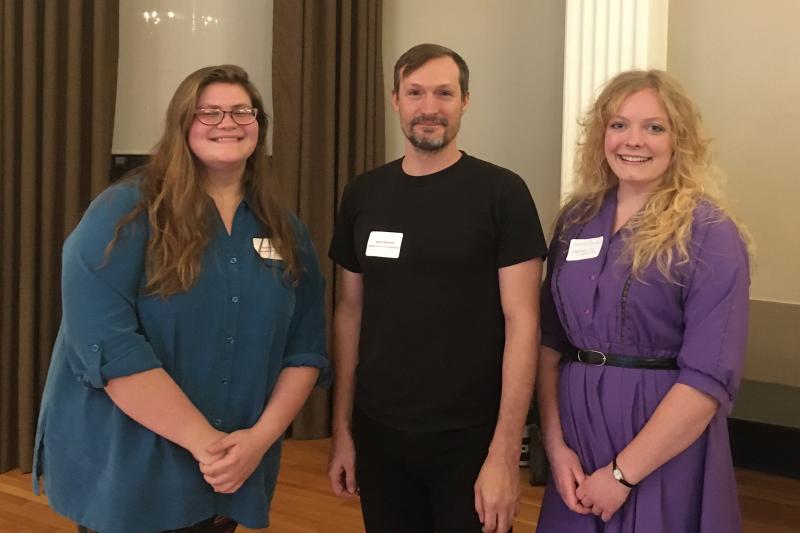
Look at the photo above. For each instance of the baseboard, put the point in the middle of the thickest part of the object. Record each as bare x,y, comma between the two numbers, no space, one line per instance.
765,447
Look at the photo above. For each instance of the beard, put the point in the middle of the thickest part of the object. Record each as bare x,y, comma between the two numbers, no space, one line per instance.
425,142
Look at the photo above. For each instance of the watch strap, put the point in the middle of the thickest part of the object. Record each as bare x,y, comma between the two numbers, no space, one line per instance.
618,474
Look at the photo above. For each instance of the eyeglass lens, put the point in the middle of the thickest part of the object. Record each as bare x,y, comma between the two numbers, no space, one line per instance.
214,116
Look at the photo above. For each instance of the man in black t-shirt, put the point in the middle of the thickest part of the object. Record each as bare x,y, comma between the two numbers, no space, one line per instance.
436,323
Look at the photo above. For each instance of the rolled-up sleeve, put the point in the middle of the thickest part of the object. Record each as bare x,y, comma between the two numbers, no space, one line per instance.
307,340
99,293
716,302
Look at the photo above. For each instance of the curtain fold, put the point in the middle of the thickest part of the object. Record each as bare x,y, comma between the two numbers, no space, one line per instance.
329,125
58,86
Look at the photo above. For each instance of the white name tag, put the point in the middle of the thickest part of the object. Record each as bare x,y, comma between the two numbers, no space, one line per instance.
584,248
263,245
384,244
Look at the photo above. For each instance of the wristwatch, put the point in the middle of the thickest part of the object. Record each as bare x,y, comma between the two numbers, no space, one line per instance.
617,473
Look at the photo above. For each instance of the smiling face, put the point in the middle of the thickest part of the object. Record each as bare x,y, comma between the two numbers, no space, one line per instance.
638,141
430,104
225,147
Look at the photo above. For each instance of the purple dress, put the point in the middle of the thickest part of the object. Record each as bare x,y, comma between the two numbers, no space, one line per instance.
594,303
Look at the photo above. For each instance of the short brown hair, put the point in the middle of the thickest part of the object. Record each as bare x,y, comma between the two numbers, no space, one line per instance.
420,54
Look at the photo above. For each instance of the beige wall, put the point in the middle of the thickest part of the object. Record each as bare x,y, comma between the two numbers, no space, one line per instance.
514,49
739,60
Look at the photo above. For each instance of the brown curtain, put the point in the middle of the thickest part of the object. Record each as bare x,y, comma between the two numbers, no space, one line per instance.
328,96
57,91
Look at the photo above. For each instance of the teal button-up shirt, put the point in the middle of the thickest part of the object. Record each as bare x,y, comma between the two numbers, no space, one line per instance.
224,342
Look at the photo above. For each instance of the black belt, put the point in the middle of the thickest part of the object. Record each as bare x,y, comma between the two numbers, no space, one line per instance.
597,358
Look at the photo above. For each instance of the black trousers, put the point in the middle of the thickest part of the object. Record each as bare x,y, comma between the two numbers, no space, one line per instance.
418,482
215,524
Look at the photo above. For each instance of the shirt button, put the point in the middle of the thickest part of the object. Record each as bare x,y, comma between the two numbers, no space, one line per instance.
229,340
233,260
224,381
95,348
217,421
235,299
587,311
592,277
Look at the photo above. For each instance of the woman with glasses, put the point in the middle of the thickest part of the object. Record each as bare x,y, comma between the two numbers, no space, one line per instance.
192,331
644,324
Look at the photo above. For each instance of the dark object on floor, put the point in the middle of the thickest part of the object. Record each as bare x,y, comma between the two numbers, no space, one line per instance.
538,467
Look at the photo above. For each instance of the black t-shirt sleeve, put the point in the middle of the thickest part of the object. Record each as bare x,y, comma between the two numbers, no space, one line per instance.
343,247
520,231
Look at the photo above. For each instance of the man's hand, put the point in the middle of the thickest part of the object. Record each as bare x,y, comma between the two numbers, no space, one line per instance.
342,464
497,494
602,493
242,452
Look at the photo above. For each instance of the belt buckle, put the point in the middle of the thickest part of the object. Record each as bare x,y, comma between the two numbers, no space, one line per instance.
602,363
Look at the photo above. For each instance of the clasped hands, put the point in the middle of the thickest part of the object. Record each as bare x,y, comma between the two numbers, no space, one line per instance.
598,493
231,459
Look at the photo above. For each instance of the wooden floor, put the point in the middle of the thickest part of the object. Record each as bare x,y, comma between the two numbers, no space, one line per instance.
304,504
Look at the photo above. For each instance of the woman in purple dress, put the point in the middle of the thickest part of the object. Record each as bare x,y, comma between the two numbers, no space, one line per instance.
644,325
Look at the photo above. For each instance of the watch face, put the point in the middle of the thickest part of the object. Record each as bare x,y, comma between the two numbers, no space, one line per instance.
617,474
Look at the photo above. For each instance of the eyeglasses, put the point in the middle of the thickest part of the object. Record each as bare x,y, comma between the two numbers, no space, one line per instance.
213,116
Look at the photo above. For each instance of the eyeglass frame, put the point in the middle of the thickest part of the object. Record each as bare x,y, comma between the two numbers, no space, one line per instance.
254,113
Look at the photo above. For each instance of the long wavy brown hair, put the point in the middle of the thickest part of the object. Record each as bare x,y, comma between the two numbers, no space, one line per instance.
661,230
180,213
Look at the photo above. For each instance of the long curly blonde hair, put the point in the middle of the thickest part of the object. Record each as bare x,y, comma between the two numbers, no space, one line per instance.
661,230
179,211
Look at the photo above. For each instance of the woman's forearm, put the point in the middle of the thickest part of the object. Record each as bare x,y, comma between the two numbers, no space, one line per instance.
291,391
678,421
154,400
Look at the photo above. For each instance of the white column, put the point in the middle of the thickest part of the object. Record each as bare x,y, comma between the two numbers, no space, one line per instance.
603,38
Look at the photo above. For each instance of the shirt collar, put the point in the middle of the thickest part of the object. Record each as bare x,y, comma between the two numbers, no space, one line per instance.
247,199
